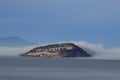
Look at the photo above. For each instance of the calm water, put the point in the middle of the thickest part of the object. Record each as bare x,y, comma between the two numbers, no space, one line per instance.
23,68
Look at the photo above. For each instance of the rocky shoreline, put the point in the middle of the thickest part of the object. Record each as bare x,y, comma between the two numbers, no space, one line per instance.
57,50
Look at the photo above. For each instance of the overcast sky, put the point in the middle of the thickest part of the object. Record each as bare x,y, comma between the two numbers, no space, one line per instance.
96,21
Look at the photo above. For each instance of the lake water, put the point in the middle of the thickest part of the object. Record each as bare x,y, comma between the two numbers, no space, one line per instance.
29,68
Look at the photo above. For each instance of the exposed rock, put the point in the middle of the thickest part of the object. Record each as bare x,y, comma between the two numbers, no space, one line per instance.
57,50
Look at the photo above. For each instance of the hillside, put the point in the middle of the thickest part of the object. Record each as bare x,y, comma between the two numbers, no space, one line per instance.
14,42
57,50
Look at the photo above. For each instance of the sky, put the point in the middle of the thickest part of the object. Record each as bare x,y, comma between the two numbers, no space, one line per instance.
94,21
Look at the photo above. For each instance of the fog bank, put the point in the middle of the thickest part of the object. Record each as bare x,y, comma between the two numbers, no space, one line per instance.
97,51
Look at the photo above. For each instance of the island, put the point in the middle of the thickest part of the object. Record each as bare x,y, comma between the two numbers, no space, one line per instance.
57,51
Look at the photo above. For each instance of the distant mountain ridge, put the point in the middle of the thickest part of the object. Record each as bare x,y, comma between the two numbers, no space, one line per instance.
14,42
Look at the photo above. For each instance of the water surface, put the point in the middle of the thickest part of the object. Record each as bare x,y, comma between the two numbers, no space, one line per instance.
29,68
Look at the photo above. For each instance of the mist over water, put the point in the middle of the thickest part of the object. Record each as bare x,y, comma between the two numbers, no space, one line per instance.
98,51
